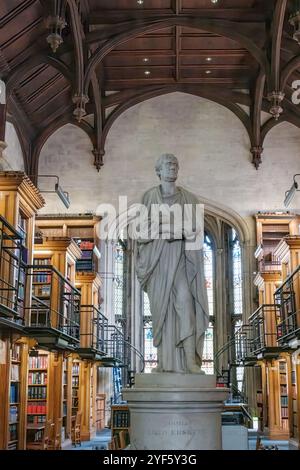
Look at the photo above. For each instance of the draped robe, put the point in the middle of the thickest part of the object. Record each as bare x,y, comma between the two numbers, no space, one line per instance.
161,265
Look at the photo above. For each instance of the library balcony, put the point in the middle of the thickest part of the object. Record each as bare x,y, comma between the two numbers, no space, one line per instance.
287,296
114,343
269,265
263,324
54,316
94,328
12,277
243,345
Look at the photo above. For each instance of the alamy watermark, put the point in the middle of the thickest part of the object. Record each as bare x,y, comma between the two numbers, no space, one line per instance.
159,221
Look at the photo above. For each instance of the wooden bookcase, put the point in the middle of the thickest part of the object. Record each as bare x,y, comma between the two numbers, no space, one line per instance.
17,396
284,396
75,386
100,411
120,418
37,401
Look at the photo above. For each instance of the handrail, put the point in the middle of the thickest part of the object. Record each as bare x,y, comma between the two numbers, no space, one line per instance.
288,279
11,228
137,352
261,308
50,267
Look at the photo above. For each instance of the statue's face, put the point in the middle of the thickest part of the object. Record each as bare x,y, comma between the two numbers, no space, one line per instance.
169,170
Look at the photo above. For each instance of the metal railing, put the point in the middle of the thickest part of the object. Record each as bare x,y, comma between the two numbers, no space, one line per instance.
287,296
12,273
55,302
114,344
263,324
98,329
243,344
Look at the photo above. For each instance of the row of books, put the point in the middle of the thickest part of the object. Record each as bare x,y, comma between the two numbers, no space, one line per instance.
42,261
38,419
37,378
16,352
42,290
121,419
284,401
37,407
37,392
86,245
75,381
13,432
13,414
75,369
15,372
43,276
39,362
14,392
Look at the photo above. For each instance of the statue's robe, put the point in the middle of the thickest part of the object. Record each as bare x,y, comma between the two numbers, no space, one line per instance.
158,263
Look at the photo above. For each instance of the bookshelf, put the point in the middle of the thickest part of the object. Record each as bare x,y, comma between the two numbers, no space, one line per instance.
87,261
75,386
284,404
14,397
120,418
65,403
37,408
294,397
100,411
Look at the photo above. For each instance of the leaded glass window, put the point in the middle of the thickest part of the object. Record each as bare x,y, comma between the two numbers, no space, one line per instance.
208,350
150,352
118,284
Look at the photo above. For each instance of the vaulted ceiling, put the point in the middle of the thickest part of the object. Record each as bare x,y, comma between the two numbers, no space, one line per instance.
87,61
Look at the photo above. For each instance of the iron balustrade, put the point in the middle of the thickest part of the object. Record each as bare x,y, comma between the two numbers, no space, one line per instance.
115,344
55,302
95,337
287,297
243,339
263,323
12,273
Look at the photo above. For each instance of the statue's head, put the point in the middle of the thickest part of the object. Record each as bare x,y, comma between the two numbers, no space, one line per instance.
167,167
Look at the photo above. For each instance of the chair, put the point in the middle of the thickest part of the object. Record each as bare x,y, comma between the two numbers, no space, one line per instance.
76,429
122,439
55,441
44,443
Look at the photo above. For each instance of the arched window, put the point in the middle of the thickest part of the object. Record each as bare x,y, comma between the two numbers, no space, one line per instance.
119,282
235,269
208,351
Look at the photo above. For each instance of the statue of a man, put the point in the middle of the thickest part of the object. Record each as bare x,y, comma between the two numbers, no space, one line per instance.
173,278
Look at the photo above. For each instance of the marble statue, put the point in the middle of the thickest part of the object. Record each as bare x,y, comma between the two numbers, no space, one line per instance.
173,278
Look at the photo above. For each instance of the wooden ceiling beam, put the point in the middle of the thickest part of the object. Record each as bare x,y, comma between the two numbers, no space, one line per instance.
227,29
241,14
184,52
275,94
125,95
256,108
79,97
246,28
277,32
98,151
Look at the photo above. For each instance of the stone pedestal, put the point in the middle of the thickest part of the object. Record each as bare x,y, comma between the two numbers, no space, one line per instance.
175,411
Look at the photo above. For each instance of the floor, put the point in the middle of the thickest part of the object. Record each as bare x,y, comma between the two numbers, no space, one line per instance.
100,442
